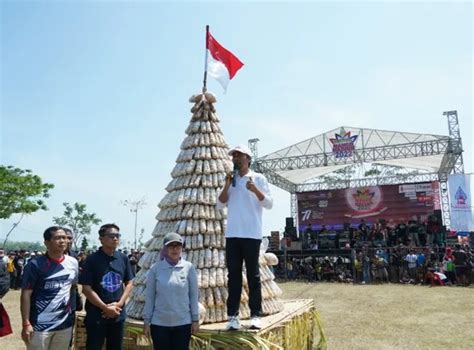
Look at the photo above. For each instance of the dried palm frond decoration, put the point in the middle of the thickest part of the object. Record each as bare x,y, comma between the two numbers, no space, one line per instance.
300,327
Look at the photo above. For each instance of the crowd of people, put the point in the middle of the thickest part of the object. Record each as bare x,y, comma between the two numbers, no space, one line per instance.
414,232
400,264
17,260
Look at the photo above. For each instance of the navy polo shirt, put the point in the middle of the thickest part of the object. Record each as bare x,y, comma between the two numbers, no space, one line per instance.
106,275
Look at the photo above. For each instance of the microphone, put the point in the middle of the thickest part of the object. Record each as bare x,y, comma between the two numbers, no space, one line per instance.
234,174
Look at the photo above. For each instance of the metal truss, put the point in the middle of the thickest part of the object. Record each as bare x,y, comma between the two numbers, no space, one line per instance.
445,209
254,150
368,155
368,181
294,210
455,134
452,163
275,178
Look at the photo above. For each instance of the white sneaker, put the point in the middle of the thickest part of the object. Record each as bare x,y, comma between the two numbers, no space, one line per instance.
233,324
255,322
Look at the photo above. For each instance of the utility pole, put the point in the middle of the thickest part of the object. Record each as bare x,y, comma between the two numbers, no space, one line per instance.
134,206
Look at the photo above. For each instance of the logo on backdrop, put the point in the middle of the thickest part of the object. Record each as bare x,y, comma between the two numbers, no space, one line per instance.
461,199
343,145
364,199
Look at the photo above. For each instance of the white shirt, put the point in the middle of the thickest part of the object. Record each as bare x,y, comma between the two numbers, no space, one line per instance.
411,259
244,215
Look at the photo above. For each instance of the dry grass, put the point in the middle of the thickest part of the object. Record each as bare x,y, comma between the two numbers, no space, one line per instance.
365,317
391,316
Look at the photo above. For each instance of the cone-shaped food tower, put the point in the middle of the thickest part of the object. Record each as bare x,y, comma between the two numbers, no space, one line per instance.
189,208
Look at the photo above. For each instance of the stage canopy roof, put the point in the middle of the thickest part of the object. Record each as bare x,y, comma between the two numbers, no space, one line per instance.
304,165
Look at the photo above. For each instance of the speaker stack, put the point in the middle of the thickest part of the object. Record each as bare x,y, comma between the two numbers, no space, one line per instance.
290,229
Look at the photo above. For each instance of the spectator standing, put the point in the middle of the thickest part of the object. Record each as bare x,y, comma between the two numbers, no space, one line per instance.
433,230
391,233
133,261
364,230
308,236
19,262
289,269
11,270
106,281
420,267
366,266
381,262
358,268
413,232
395,265
411,258
402,233
448,265
421,231
460,263
46,295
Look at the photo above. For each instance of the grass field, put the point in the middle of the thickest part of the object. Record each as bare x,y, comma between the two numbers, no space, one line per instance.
364,316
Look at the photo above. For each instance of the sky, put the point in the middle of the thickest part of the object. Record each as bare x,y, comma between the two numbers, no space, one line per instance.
94,94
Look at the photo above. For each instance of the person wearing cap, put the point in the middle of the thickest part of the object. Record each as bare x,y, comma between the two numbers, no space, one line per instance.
245,194
171,312
106,279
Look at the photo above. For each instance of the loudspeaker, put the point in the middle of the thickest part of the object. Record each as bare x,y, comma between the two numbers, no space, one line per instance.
290,222
291,232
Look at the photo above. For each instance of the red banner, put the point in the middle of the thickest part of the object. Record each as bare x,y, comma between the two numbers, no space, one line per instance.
391,203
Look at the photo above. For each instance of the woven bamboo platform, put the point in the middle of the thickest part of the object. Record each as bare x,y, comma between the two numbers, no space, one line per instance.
298,326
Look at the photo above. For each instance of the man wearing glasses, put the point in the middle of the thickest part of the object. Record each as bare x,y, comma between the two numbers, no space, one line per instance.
106,281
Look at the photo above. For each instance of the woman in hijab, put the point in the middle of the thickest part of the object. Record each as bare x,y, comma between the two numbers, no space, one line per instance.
171,312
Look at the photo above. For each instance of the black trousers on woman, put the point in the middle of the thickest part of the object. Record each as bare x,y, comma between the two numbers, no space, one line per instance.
171,338
239,250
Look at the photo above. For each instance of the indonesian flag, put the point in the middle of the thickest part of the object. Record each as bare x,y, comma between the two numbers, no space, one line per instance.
222,64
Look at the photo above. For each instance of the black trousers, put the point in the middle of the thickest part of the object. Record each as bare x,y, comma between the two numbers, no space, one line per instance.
100,330
171,338
239,250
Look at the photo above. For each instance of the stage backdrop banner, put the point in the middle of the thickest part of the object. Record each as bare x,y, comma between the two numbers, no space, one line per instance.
460,202
391,203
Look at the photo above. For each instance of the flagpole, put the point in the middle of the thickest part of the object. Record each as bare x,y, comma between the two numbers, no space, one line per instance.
204,88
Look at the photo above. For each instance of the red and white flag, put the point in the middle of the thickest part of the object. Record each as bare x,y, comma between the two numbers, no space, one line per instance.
222,64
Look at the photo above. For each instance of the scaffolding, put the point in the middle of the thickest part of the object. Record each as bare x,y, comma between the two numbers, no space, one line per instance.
305,166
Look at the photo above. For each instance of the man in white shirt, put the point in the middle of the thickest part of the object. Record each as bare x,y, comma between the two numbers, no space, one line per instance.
245,196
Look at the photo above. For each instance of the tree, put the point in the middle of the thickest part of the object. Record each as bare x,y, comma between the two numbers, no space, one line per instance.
78,220
21,192
84,244
140,239
28,246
